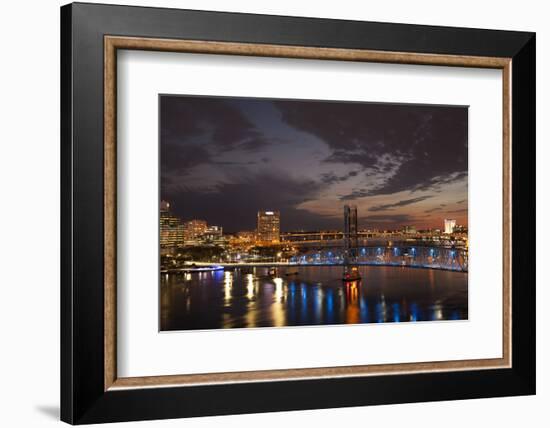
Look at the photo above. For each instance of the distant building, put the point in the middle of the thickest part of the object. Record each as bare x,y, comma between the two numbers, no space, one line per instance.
213,235
409,230
194,229
449,225
246,236
213,231
269,226
460,229
171,229
164,206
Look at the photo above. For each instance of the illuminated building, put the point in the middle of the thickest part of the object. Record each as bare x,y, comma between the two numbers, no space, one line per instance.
194,229
449,225
269,226
409,230
246,236
213,231
213,235
171,229
460,229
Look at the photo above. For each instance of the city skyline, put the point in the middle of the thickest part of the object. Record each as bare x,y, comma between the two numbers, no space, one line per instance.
166,208
225,159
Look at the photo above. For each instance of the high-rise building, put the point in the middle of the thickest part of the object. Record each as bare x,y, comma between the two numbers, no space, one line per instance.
194,229
449,225
269,226
171,229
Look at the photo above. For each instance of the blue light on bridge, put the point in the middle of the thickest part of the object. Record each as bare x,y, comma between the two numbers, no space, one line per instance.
424,257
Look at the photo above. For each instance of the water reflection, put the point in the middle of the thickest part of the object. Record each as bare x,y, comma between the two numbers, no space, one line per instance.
263,297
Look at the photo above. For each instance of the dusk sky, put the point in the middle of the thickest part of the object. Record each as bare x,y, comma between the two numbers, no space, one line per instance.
223,159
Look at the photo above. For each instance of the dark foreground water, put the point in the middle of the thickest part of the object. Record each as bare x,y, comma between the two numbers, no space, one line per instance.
315,296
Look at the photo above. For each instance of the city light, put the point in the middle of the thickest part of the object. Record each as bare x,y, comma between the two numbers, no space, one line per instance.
196,246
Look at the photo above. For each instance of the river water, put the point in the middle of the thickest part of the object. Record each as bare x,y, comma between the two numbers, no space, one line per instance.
315,295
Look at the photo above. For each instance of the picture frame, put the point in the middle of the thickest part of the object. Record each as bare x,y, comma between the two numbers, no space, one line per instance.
91,390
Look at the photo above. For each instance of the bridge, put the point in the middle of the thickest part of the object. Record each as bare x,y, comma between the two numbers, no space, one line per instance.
412,256
350,251
429,257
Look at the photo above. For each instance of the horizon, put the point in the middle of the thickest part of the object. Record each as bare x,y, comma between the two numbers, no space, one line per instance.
360,228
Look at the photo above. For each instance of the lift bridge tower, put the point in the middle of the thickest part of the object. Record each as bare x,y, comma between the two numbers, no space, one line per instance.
351,272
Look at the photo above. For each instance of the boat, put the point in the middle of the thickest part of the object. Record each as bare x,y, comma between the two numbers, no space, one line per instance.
351,273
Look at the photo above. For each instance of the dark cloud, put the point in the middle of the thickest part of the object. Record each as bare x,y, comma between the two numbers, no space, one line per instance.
331,178
403,203
461,201
422,146
179,159
462,210
234,204
435,183
233,163
385,149
431,210
356,194
195,129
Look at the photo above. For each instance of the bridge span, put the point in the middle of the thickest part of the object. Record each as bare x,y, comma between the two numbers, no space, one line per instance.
409,256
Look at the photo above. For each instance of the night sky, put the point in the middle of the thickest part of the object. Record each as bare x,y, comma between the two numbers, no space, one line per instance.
223,159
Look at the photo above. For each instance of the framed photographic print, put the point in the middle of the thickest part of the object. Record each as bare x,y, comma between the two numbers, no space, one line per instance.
228,262
265,213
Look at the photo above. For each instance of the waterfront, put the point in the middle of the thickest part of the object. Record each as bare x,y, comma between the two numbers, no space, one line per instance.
313,295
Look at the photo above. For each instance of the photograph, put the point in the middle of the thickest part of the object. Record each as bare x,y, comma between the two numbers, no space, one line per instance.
258,211
281,212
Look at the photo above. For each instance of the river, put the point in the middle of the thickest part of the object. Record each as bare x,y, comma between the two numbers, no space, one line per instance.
313,295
